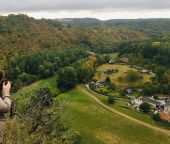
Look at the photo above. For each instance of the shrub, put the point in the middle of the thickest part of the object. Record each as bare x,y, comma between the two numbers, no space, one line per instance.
122,93
71,137
67,78
44,97
111,100
132,76
145,107
108,80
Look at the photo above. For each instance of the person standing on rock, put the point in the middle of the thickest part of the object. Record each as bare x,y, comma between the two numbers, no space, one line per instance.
5,104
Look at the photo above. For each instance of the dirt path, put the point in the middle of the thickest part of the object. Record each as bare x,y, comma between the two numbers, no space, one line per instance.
122,114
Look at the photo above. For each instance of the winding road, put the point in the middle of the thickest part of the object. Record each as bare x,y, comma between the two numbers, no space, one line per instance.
83,90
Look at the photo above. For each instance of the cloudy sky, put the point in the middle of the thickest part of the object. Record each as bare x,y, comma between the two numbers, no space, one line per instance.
102,9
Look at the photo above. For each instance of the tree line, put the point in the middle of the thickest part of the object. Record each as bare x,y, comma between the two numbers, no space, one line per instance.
31,67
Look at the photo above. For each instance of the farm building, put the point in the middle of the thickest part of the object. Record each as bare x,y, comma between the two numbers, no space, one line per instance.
164,116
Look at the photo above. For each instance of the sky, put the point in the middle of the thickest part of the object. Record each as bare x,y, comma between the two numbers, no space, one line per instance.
101,9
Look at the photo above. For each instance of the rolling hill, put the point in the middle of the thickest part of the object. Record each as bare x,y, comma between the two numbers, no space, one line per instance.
95,123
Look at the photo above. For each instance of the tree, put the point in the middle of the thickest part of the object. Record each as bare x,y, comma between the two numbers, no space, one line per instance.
150,89
145,107
111,100
25,78
122,93
67,78
132,76
108,80
111,86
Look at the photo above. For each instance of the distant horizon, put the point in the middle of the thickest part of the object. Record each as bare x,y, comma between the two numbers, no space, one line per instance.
96,14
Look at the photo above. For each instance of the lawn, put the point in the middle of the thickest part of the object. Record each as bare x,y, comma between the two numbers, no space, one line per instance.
122,106
100,126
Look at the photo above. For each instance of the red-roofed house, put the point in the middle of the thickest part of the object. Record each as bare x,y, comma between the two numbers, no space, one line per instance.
164,116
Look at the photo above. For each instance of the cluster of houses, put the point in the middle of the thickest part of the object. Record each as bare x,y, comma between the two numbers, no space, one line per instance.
160,105
141,70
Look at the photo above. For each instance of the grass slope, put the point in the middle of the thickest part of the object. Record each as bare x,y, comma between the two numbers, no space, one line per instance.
122,106
98,125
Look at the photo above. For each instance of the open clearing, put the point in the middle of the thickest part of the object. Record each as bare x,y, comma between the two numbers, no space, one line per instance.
122,69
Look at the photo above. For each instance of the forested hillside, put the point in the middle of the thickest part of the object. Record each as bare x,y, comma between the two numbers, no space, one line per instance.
34,49
21,34
159,25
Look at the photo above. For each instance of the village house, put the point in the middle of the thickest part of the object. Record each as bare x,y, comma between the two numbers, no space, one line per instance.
155,103
129,91
92,82
167,108
143,71
136,103
164,116
98,85
102,82
111,61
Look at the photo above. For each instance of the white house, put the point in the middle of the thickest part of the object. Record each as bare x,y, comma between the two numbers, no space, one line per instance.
137,102
167,108
143,71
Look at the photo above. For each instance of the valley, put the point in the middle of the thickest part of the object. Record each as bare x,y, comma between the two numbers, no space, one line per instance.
86,81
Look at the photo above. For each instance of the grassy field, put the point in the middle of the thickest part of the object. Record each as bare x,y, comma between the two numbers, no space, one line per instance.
122,106
120,78
122,69
98,125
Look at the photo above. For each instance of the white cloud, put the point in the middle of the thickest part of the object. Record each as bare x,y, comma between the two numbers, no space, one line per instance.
38,5
103,14
102,9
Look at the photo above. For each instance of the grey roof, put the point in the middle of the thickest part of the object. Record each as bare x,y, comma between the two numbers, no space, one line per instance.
98,84
129,90
167,104
153,101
